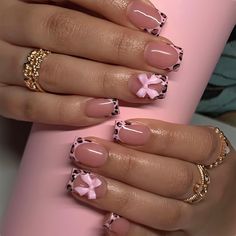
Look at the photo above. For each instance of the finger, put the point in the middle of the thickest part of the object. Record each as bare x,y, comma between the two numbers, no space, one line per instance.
197,144
134,204
21,104
69,75
134,14
116,225
71,32
163,176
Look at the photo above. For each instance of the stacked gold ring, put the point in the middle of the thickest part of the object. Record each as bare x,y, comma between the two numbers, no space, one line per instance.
32,68
200,189
224,149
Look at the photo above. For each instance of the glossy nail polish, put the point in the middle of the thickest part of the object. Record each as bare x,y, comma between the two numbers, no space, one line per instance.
163,55
146,17
88,153
152,86
116,224
131,133
85,184
99,108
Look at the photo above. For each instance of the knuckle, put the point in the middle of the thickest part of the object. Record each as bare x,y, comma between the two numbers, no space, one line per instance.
106,85
129,164
61,26
50,72
175,219
184,180
123,202
29,109
208,145
122,43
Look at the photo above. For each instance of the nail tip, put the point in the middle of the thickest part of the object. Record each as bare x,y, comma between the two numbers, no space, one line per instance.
116,107
109,221
78,141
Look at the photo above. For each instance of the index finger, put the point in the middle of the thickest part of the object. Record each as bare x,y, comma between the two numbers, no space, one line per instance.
197,144
141,14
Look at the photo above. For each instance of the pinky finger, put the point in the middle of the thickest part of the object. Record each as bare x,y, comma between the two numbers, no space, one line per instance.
22,104
117,226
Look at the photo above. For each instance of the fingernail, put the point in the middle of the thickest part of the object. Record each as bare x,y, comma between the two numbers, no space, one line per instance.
98,108
116,224
86,184
146,17
150,86
88,153
163,55
131,133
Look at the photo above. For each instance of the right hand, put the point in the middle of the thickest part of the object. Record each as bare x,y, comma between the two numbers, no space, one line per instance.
100,57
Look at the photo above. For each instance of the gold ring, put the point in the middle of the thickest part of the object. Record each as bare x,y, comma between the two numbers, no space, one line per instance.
32,68
224,149
200,189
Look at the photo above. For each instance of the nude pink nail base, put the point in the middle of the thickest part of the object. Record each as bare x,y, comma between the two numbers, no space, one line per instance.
88,184
180,52
133,133
152,86
77,143
157,30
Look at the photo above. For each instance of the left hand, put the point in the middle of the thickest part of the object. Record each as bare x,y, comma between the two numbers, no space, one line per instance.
146,180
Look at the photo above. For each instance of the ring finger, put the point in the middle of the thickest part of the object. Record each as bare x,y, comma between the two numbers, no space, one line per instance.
137,205
69,75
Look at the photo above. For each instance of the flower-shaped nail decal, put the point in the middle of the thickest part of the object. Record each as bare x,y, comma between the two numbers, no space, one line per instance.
153,80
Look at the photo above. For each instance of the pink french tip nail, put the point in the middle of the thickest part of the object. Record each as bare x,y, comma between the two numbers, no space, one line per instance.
88,153
131,133
163,55
116,224
146,17
152,86
99,108
85,184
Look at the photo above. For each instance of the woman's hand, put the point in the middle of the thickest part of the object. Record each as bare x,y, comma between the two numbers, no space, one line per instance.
147,179
103,57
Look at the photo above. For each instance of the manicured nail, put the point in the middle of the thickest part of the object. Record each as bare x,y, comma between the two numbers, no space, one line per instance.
98,108
131,133
85,184
150,86
146,17
88,153
116,224
163,55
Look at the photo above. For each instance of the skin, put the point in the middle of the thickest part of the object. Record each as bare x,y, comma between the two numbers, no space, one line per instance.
154,205
77,67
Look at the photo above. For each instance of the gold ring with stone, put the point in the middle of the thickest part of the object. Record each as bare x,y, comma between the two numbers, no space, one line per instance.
32,69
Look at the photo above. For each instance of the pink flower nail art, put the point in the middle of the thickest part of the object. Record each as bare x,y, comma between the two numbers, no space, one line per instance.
146,82
87,183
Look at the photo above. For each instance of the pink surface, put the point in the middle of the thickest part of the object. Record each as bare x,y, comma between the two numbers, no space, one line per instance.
40,205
